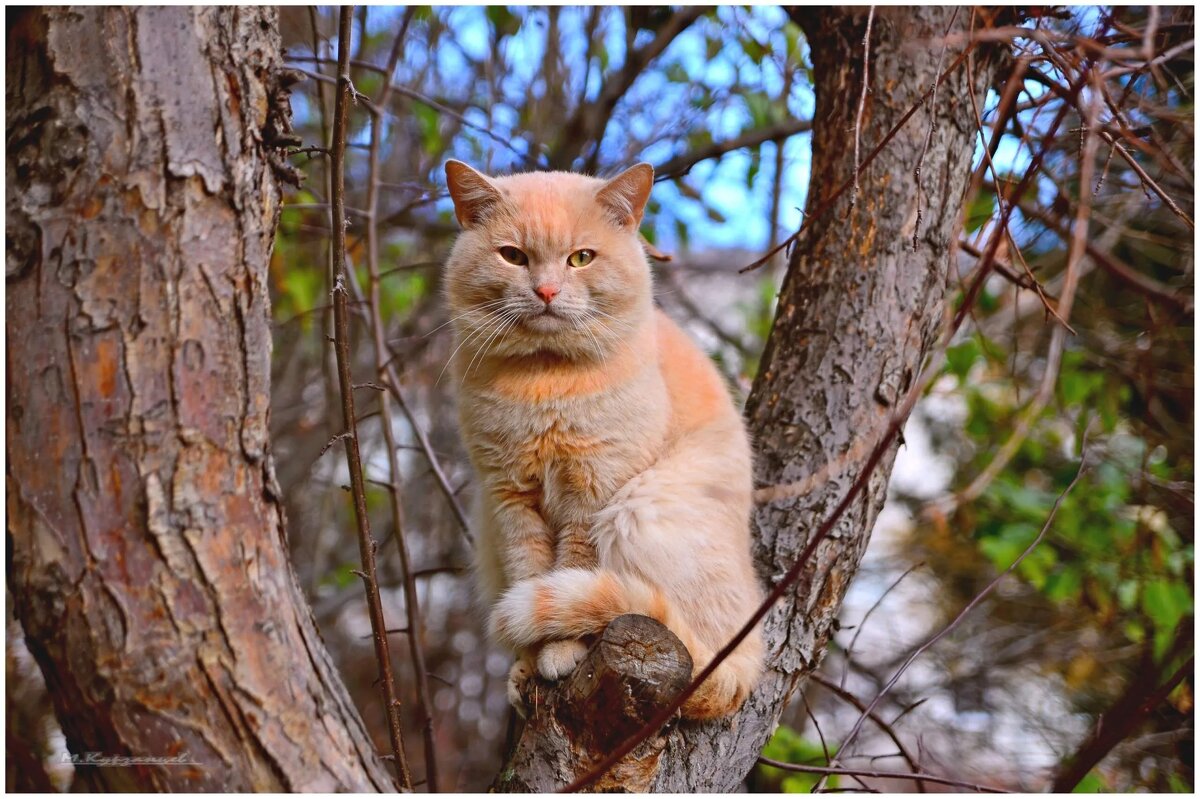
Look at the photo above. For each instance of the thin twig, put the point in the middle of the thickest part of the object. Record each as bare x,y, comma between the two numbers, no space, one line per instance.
442,108
881,775
888,729
899,417
435,466
929,133
1112,731
962,614
809,218
412,608
862,102
1004,109
867,615
1058,339
1147,180
1144,284
589,121
682,164
366,545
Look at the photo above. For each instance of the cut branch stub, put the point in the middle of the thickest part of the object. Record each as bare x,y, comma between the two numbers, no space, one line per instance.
634,670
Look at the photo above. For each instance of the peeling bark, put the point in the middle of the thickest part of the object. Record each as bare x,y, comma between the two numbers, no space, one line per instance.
858,312
148,563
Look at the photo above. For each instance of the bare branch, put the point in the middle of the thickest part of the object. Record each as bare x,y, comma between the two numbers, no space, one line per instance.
366,545
862,102
588,123
1117,268
833,198
962,614
415,627
682,164
888,729
888,775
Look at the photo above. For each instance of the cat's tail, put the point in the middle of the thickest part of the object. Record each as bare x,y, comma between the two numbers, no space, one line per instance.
573,603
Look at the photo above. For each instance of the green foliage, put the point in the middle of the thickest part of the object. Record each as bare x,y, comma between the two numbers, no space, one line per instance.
428,120
341,577
1092,783
504,22
1108,553
979,211
759,315
788,746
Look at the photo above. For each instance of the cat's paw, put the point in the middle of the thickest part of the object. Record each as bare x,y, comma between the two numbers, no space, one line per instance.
518,685
559,658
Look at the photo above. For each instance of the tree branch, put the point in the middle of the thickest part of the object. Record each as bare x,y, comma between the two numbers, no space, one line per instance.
588,123
415,627
366,544
680,165
888,775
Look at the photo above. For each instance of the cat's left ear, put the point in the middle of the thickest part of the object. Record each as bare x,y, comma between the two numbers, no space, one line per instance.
474,195
625,195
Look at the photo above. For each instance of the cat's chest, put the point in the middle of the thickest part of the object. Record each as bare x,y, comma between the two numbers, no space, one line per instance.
567,450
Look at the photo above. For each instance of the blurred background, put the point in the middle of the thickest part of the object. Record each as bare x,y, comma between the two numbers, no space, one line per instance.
717,99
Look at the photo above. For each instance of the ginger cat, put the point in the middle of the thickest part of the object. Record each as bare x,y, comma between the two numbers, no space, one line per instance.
614,468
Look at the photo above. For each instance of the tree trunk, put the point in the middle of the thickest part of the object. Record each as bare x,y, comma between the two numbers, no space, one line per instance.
148,561
858,311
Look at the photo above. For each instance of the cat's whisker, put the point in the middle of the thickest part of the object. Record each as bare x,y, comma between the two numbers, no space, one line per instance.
595,341
469,311
499,337
594,314
483,326
481,354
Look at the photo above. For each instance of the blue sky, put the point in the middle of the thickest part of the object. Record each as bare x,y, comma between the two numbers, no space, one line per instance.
649,107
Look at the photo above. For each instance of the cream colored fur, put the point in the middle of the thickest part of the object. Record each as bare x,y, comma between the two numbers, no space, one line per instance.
615,470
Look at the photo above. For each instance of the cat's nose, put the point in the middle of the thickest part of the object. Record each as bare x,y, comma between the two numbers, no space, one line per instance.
547,291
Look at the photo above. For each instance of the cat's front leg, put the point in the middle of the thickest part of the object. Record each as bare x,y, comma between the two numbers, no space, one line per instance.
574,549
527,545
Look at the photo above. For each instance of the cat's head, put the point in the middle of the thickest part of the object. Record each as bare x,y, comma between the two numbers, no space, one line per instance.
548,261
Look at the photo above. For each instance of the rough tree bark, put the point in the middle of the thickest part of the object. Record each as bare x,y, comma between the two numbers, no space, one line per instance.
858,312
148,562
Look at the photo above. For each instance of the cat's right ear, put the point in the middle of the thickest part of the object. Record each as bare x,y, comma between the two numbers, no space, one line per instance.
625,195
474,195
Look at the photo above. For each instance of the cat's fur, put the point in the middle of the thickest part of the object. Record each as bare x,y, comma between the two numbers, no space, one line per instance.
614,468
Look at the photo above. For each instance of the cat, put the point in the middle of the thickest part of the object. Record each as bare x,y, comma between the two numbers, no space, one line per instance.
614,468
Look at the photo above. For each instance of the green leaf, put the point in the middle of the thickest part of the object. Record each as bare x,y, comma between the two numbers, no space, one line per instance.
788,746
759,106
753,49
961,357
1092,783
1007,545
1078,386
1166,603
981,209
681,232
791,34
752,169
427,125
1064,584
504,21
677,74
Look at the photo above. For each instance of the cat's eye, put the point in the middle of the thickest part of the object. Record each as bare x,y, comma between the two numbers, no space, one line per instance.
514,256
581,258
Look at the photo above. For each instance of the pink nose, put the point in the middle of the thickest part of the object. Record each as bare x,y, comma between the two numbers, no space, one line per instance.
547,292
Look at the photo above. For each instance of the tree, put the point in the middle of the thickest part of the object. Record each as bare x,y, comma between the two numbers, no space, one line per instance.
857,314
1024,219
148,562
